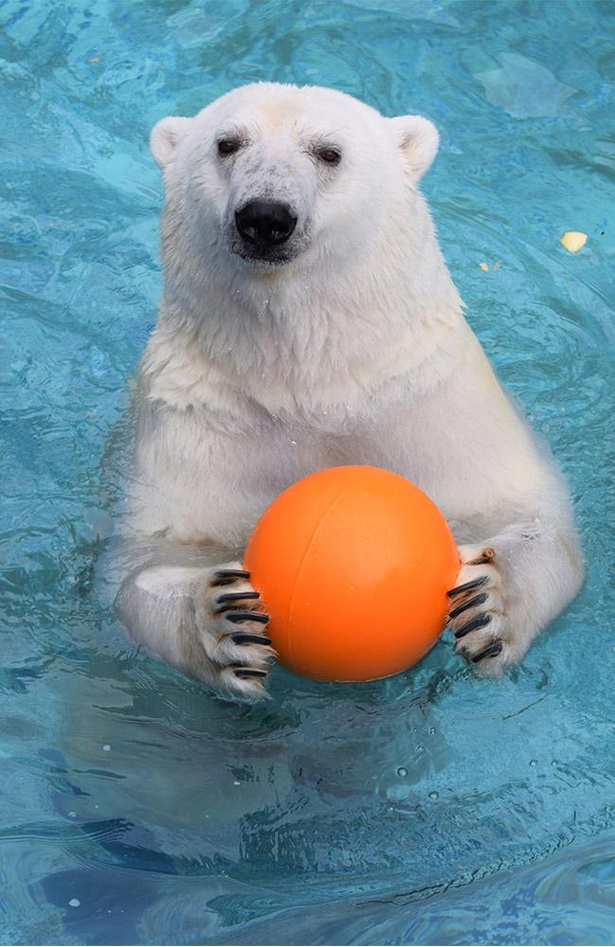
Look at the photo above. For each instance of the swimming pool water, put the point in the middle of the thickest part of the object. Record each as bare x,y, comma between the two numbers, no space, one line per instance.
431,808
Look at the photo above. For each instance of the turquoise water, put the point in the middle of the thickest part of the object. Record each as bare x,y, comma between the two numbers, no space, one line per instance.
431,808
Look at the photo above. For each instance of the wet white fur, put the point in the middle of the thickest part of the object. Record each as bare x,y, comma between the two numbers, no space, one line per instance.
356,351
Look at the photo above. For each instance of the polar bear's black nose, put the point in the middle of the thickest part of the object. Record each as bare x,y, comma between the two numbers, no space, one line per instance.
265,223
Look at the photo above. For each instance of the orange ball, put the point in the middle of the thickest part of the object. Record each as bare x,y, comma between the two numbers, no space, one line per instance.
353,564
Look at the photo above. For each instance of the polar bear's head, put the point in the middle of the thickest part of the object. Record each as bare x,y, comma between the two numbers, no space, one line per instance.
271,173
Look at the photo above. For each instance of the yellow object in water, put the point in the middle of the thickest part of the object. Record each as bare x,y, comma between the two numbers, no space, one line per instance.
573,240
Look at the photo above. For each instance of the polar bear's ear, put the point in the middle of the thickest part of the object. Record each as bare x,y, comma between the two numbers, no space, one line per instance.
166,135
418,139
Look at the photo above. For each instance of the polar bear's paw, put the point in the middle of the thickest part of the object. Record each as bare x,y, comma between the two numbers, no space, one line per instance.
233,632
477,615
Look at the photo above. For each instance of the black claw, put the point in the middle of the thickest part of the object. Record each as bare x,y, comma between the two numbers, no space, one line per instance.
228,576
479,622
237,616
475,600
492,651
229,597
249,672
473,584
251,639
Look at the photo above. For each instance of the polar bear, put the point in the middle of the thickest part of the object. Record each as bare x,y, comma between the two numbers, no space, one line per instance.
308,320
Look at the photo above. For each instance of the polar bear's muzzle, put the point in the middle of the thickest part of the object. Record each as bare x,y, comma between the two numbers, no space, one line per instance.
263,229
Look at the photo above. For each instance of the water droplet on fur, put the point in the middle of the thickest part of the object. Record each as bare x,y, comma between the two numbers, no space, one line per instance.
533,762
434,795
402,772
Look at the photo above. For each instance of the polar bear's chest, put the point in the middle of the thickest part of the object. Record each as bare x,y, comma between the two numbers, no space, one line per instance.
199,481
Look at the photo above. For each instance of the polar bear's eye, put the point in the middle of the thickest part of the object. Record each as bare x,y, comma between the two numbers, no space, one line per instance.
331,156
228,146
